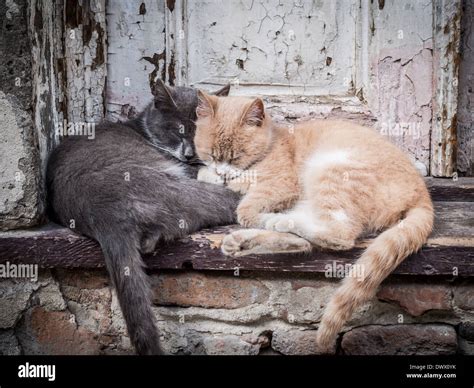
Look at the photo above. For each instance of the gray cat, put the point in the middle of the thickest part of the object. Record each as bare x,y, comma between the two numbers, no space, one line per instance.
131,187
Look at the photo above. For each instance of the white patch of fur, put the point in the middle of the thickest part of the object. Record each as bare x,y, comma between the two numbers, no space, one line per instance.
339,215
324,160
226,170
321,162
177,153
175,169
299,221
167,167
264,217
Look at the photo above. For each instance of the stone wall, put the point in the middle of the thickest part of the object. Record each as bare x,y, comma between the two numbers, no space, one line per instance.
75,312
20,203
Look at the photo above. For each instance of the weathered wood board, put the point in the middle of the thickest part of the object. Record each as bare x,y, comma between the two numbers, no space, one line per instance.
451,190
449,251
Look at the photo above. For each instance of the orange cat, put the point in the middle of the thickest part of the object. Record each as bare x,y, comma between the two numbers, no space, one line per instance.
320,183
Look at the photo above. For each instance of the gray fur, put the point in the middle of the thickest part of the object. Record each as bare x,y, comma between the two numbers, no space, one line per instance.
160,202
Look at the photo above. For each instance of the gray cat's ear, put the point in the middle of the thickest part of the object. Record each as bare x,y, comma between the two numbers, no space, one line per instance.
223,92
163,96
206,105
255,113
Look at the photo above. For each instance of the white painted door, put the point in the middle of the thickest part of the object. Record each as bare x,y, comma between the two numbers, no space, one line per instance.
271,47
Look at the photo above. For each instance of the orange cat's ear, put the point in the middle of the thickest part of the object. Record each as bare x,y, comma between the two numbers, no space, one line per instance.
255,113
206,105
223,92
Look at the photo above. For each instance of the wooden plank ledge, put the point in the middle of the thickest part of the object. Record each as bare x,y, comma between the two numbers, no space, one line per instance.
450,246
453,190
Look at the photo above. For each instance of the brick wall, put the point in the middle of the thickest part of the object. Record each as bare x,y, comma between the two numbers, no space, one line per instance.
74,312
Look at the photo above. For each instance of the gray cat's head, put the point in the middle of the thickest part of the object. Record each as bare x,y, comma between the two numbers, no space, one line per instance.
169,123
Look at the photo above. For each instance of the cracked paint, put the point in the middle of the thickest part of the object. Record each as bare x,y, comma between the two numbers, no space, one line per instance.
136,54
400,87
274,43
85,48
156,61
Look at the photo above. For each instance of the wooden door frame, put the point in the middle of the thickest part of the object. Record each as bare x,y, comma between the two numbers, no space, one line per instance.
446,60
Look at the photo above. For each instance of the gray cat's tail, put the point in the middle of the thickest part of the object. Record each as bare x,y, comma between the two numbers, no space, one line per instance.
126,269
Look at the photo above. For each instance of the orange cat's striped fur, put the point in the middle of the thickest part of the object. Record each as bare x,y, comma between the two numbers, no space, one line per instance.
319,183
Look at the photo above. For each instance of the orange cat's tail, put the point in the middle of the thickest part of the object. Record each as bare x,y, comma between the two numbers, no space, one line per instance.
382,256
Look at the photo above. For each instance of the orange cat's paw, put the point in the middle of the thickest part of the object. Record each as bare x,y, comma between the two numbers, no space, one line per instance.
231,245
206,174
264,217
247,220
240,242
238,186
280,223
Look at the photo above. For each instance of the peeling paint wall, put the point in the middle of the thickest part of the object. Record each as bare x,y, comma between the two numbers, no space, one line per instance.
20,204
86,59
68,66
49,73
298,44
400,83
466,93
136,54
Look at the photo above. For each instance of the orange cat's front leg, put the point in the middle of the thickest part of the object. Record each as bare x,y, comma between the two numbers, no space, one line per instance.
259,202
249,213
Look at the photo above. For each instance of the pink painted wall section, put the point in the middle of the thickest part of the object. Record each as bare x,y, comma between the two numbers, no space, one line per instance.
400,75
136,54
402,85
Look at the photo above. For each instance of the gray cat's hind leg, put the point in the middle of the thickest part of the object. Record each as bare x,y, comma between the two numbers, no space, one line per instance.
149,242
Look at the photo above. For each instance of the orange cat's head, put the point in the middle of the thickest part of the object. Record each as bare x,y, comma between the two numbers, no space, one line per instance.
232,133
